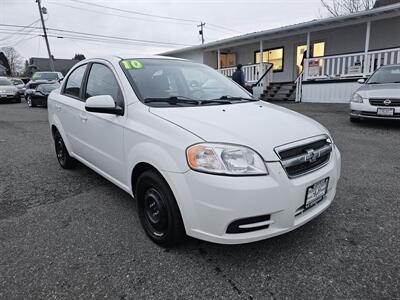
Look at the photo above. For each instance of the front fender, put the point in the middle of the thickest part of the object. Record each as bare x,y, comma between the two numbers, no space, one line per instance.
158,157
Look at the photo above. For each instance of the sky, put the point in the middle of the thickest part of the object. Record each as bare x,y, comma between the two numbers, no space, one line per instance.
223,18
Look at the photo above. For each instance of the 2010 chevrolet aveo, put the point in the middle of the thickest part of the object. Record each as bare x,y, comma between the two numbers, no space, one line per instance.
199,154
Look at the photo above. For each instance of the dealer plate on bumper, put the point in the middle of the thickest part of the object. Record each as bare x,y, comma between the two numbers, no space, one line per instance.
316,193
385,111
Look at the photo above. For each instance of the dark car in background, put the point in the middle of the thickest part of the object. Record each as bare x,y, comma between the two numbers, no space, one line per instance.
49,76
37,96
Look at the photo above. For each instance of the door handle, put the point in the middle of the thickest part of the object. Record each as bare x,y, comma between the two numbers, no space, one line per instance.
83,117
58,107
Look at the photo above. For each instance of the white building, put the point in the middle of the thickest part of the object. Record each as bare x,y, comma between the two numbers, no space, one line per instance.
342,50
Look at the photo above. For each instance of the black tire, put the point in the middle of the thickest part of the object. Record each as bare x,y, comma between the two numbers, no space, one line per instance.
355,120
18,100
158,211
65,161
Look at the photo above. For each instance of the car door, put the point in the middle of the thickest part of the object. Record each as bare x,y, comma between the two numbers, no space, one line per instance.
69,107
103,132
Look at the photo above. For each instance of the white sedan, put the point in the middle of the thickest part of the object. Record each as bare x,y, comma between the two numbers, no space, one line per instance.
378,97
199,154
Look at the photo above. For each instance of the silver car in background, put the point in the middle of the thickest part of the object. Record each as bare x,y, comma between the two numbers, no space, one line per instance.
19,84
8,91
378,97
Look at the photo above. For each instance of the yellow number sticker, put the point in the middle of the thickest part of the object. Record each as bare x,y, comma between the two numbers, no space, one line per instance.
126,64
136,64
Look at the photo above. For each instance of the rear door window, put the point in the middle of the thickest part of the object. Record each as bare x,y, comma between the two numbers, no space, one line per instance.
74,82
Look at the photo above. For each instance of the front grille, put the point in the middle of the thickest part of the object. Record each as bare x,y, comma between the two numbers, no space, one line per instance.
381,102
302,157
374,114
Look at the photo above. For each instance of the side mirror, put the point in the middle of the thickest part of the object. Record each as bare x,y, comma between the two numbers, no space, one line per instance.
361,81
103,104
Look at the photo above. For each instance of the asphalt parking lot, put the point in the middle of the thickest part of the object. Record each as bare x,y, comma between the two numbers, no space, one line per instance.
72,234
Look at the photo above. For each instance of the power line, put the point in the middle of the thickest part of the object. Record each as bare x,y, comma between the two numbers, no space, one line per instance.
22,40
19,30
135,12
41,12
152,15
117,15
103,36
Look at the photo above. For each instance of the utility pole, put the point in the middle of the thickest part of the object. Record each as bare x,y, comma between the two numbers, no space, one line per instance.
45,35
201,31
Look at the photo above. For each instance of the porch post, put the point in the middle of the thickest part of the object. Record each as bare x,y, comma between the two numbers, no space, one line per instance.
305,63
261,72
366,49
219,59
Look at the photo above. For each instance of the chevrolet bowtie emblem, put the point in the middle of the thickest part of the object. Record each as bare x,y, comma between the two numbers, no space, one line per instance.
311,155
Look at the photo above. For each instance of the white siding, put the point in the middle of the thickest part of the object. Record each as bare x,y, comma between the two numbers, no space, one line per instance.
329,92
197,55
384,34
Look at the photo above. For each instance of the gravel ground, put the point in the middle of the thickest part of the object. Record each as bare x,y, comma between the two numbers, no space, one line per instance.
72,234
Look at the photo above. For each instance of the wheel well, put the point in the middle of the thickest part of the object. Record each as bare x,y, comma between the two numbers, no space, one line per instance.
139,169
53,130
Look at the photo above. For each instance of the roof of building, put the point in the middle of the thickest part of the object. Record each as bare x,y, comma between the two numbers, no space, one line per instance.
60,64
313,25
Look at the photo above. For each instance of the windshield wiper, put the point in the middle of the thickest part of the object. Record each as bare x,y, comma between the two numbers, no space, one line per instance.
232,98
172,100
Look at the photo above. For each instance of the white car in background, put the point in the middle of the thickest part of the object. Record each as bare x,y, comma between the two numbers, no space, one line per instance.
8,91
378,97
200,155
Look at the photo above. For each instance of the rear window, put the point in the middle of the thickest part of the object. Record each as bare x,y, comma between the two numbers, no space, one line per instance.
45,76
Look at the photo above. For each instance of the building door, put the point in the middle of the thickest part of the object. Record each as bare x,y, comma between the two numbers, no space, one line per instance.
318,50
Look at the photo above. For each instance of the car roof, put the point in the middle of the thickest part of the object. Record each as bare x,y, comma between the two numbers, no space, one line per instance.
117,58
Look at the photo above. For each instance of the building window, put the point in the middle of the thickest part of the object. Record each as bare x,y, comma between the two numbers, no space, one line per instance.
317,50
228,60
272,56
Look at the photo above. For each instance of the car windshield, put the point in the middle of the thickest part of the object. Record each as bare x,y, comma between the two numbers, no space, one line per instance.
4,81
166,82
17,81
385,75
45,76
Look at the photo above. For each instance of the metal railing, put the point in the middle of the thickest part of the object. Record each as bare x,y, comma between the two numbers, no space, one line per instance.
349,65
255,76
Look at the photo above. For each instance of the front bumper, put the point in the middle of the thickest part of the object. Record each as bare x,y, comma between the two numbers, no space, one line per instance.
39,100
368,111
209,203
6,97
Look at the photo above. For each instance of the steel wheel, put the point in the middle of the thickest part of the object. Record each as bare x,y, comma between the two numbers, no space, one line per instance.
156,215
158,211
65,161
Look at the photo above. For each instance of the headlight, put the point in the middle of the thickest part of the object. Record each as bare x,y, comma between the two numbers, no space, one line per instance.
225,159
356,98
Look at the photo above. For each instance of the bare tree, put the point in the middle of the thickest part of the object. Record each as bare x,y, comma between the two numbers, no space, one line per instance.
343,7
15,60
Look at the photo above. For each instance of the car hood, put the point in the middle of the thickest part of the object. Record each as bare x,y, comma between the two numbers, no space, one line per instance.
387,90
8,89
258,125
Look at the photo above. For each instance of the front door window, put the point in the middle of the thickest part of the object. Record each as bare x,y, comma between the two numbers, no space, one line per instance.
318,50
